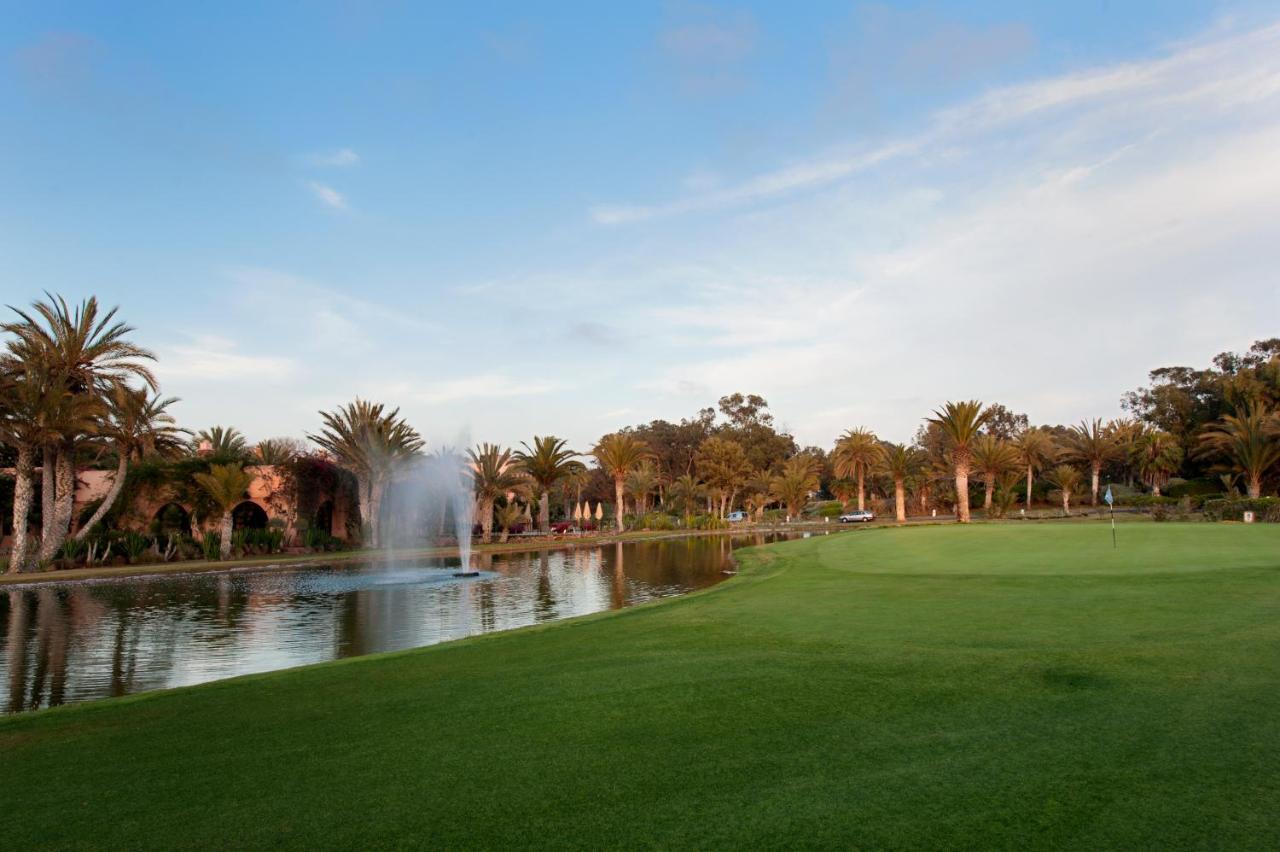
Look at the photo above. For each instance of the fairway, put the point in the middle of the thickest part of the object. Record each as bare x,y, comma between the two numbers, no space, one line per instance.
1014,685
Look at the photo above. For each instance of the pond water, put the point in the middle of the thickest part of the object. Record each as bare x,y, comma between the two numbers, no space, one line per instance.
61,643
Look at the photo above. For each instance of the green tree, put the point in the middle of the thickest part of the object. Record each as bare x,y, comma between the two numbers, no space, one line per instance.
793,485
722,464
855,454
1066,479
900,462
547,462
685,494
992,458
496,473
1248,443
618,454
370,442
641,482
961,423
1035,449
1157,455
1093,444
226,485
221,442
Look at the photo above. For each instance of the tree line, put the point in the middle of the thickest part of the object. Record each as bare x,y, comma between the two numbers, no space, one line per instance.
75,390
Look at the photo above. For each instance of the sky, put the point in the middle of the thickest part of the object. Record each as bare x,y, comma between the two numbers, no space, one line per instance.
563,218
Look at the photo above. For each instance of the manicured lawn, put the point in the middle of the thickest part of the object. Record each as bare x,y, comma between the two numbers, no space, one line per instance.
1020,685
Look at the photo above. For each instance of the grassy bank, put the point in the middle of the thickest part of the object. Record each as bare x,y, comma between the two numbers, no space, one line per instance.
1001,685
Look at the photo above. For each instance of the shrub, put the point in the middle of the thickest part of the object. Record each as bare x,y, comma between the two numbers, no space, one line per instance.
1233,509
1195,488
829,510
133,545
212,544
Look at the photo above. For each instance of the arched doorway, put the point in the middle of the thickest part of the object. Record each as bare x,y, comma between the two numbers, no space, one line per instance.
171,519
248,516
323,519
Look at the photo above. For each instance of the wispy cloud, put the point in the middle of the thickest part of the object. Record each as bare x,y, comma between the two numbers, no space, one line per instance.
327,195
1216,72
216,358
707,48
339,158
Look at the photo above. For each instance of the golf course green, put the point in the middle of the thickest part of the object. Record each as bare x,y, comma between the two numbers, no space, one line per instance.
998,685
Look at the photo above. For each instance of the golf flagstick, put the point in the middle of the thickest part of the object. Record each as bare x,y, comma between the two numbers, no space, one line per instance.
1111,501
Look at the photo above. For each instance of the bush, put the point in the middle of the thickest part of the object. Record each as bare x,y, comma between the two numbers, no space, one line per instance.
1233,509
656,521
212,544
1195,488
829,510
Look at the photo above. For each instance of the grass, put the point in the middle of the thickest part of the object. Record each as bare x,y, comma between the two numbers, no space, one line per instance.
1015,685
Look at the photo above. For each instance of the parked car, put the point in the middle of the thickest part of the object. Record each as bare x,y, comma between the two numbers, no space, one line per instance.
736,517
858,516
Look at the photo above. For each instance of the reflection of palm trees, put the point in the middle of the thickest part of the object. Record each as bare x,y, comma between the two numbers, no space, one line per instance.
544,608
16,646
619,590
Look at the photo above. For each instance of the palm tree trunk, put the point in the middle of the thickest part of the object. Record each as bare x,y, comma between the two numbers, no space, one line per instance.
363,497
988,490
1066,502
1029,480
1096,471
544,511
862,491
55,528
117,485
224,546
486,520
22,494
1254,486
617,503
376,489
48,491
962,493
900,500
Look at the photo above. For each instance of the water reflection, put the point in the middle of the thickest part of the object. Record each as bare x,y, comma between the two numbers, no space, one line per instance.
65,643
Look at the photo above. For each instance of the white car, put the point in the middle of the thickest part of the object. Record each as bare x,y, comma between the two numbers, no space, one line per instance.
858,516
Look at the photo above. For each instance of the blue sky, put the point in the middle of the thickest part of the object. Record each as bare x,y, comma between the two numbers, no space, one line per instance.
572,217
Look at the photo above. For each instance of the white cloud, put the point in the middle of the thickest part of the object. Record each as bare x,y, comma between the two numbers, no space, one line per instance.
215,358
340,158
327,195
481,386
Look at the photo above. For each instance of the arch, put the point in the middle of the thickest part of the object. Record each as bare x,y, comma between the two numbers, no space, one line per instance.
248,516
323,519
171,518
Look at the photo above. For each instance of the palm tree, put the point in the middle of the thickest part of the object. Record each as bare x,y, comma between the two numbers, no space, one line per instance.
571,486
371,443
1093,444
684,494
856,452
723,466
640,483
139,425
508,516
900,462
1067,480
992,458
961,422
276,451
546,462
226,485
619,454
495,473
798,479
1035,449
756,495
1249,442
222,442
1157,455
75,356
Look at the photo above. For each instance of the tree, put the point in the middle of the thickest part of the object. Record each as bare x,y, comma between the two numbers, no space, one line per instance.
618,454
642,481
495,473
74,357
1067,480
1034,449
277,451
509,515
1157,455
22,404
685,493
798,479
1248,441
723,466
547,462
756,495
1093,444
856,452
900,462
138,425
369,442
221,442
1003,423
961,423
226,485
992,458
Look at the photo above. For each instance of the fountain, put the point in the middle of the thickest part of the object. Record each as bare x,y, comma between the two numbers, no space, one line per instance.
425,497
